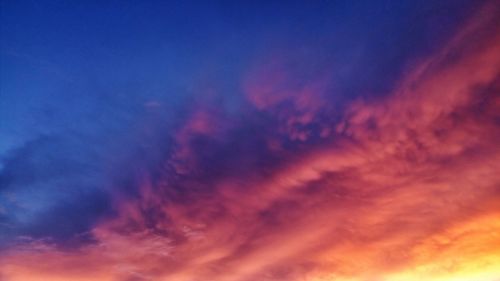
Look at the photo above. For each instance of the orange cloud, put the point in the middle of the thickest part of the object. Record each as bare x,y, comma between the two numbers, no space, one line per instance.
407,189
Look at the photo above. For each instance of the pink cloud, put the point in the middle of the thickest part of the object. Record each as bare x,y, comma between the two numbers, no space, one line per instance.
408,189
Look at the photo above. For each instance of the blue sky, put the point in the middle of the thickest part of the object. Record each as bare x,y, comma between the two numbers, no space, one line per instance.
92,91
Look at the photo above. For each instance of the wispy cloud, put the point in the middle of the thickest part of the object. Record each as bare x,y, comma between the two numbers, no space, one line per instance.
404,186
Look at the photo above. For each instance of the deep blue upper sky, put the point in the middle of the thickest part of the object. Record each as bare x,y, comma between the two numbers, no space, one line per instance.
78,79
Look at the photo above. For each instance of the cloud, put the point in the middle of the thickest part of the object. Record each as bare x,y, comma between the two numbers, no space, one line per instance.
43,181
403,187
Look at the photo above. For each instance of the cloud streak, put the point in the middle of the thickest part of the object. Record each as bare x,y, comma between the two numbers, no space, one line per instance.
404,186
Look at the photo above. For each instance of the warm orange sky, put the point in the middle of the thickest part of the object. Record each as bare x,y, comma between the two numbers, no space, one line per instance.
401,187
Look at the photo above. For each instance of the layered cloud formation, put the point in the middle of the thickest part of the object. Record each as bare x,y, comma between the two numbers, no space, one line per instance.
294,181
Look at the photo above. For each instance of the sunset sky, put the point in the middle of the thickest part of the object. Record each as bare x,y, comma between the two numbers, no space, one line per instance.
250,140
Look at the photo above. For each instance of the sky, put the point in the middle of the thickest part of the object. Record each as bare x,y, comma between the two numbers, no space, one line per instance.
249,140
